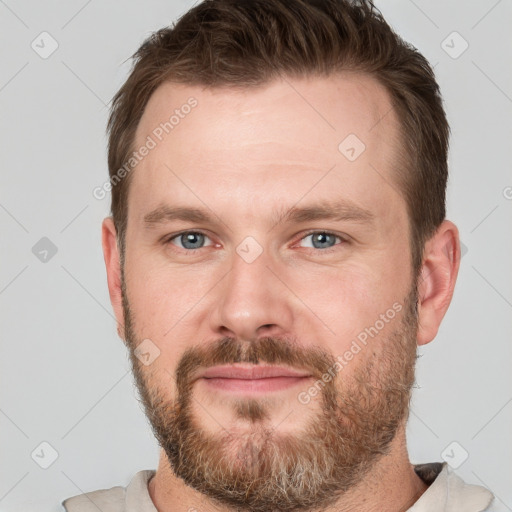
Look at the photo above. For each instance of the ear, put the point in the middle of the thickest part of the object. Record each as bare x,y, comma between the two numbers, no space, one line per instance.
112,263
441,259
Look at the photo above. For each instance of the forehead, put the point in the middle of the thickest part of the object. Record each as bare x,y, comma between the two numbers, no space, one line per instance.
266,142
327,107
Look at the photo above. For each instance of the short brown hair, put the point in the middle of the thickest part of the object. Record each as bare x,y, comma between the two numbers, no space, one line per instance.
245,43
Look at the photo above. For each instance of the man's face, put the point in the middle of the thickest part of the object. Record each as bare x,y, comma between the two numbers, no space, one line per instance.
263,279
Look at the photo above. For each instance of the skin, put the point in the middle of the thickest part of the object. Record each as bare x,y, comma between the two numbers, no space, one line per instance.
242,154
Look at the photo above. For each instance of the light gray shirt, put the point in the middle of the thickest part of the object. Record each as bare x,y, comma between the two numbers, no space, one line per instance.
447,492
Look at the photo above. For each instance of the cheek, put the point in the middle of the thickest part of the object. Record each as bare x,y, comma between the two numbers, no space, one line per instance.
160,294
344,301
341,297
157,305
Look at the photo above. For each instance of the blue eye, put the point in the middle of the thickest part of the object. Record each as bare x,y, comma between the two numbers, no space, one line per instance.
322,240
190,240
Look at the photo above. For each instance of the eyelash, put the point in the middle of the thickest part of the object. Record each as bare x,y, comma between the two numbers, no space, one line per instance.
312,232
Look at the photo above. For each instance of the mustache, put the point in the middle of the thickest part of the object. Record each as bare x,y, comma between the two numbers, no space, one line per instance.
267,350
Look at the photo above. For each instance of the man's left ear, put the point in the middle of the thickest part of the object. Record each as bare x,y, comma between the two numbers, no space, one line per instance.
441,259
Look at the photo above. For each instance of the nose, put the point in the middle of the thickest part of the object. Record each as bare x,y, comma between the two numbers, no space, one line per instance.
252,301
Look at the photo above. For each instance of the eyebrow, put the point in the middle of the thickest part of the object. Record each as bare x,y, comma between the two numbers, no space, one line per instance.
341,211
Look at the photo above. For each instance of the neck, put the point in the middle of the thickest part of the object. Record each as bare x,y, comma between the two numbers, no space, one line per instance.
392,485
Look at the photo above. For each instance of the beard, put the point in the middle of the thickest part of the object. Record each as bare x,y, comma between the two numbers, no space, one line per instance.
261,469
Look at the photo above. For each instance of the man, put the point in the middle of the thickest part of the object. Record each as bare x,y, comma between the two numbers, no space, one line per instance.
278,248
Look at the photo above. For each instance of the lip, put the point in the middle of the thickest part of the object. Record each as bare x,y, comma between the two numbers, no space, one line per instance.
252,379
250,372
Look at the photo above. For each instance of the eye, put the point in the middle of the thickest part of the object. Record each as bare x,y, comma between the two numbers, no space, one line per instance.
323,240
189,240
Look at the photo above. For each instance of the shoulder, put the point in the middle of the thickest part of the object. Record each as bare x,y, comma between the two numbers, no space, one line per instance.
115,499
464,496
107,500
447,492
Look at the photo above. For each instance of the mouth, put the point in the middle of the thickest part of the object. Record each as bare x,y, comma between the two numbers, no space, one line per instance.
252,379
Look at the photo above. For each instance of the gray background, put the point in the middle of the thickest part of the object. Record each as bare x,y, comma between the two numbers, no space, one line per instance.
64,374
